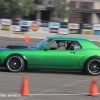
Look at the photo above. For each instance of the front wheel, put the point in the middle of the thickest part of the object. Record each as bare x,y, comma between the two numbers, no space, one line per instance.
15,63
93,66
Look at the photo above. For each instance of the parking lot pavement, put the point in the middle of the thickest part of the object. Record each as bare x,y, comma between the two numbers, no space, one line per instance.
45,85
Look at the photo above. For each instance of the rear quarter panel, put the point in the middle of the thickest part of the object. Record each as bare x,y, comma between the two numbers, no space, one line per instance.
88,50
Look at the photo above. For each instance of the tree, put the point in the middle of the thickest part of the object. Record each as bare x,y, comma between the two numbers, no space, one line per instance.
62,8
18,8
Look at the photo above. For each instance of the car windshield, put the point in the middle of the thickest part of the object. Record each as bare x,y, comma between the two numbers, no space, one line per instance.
42,44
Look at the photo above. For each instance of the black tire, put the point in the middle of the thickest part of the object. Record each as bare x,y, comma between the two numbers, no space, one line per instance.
93,66
15,63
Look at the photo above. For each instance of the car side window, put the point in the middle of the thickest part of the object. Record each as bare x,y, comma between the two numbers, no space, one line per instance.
69,45
77,46
53,45
59,45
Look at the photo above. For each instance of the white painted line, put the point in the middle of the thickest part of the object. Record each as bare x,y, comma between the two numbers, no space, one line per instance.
64,86
69,94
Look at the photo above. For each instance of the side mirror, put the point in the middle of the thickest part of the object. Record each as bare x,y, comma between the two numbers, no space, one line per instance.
45,49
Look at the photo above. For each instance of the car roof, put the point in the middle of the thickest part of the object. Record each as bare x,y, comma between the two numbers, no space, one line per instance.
66,37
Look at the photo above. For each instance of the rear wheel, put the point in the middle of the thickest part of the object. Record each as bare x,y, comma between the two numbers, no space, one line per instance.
15,63
93,66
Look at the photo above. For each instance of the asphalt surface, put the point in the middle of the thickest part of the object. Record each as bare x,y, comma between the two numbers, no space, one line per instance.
45,85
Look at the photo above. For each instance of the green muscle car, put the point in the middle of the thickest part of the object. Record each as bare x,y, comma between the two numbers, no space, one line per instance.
53,53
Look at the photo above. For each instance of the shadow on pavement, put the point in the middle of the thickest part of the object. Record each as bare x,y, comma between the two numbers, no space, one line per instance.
46,71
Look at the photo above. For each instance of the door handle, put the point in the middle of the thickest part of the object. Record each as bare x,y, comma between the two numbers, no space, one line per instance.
72,52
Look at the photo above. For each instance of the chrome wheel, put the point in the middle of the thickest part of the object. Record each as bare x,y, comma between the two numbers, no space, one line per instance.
15,63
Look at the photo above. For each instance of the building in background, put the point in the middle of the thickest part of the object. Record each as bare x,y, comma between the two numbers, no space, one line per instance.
85,11
81,11
44,10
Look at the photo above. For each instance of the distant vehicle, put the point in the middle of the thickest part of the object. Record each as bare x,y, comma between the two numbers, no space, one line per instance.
80,54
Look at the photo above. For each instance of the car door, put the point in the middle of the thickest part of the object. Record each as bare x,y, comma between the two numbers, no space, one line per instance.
57,59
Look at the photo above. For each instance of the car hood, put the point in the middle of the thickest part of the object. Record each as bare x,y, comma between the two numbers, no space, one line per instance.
14,47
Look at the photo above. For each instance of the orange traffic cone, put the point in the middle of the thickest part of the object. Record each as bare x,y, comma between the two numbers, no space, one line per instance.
26,39
93,87
25,86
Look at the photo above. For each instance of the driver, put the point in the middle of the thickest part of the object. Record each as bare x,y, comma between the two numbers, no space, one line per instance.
61,45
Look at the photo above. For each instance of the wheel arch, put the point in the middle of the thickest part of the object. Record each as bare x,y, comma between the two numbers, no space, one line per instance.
26,62
95,56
